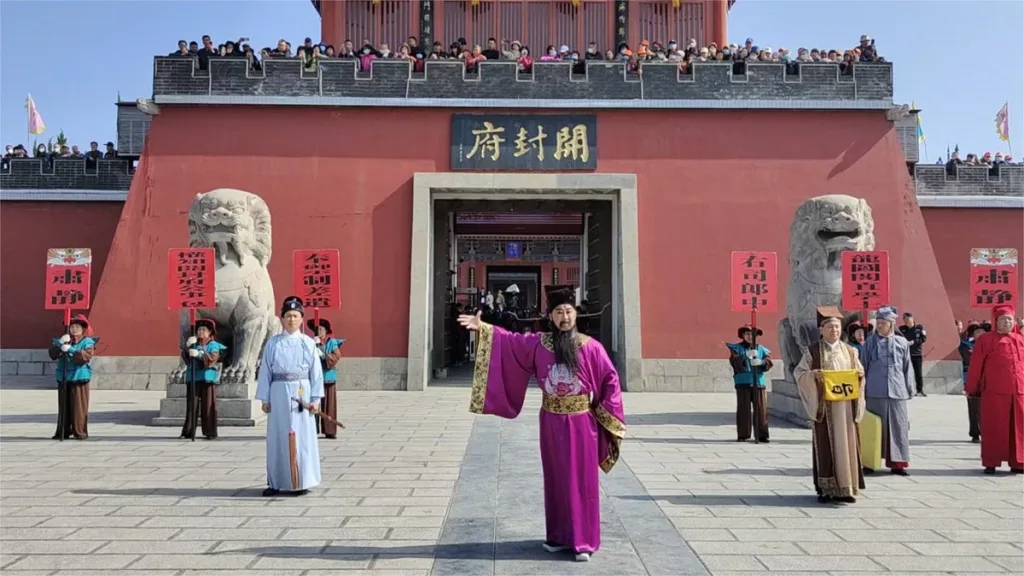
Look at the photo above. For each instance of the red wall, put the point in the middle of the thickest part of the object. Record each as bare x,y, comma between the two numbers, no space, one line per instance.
27,231
955,231
708,182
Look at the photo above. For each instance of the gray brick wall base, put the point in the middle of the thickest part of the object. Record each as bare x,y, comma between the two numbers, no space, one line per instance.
940,377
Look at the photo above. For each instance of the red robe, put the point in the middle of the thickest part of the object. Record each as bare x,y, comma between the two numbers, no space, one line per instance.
996,374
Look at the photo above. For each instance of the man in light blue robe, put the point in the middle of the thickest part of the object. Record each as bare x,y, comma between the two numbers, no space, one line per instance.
889,384
290,371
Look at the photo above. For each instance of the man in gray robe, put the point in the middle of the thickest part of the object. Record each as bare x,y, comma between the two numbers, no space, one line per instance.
889,384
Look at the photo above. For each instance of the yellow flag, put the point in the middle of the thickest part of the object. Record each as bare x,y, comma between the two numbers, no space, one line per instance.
841,385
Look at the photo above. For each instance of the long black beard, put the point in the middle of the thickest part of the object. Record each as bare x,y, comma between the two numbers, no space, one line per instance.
566,349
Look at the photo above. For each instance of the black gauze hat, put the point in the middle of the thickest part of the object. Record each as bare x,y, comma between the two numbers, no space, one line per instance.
292,303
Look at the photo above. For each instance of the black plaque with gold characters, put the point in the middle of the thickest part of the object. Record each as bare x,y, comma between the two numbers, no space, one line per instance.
524,142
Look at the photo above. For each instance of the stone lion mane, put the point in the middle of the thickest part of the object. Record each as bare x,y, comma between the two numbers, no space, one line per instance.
822,229
236,224
226,205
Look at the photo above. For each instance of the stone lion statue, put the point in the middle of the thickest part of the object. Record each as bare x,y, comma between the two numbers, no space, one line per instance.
236,224
822,229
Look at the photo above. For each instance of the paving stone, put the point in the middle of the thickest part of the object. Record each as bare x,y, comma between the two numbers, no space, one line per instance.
936,564
420,486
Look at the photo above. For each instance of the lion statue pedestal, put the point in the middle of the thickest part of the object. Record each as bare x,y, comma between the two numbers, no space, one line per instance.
236,225
822,229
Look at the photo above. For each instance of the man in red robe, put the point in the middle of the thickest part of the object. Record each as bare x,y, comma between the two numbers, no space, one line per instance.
996,374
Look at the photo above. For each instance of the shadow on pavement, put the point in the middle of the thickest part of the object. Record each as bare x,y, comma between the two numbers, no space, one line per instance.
126,417
770,501
710,441
763,471
250,492
523,550
172,435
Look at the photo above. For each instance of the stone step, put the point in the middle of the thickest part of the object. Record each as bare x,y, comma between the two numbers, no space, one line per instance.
239,408
245,390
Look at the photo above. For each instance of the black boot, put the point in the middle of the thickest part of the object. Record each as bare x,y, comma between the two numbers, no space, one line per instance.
990,470
270,492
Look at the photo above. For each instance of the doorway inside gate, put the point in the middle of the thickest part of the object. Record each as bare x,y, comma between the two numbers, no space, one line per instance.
502,255
495,246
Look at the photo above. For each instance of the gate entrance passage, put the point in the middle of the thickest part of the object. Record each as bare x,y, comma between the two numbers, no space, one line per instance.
494,249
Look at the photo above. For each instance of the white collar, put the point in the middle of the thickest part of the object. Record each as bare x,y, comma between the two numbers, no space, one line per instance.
832,347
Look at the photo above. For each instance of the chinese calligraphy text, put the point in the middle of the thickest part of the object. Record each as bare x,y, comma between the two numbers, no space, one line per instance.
753,284
316,277
841,385
865,280
994,279
524,142
190,278
68,278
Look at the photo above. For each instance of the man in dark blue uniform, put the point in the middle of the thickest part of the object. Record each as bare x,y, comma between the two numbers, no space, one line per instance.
916,335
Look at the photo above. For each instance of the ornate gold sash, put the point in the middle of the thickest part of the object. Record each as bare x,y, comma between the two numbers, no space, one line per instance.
566,404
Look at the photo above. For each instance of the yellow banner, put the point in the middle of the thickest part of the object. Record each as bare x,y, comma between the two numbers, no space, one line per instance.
841,385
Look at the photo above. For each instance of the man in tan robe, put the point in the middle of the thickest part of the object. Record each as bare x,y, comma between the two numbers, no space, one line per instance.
837,469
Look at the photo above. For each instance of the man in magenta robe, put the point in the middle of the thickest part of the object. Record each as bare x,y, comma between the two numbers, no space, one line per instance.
996,374
581,419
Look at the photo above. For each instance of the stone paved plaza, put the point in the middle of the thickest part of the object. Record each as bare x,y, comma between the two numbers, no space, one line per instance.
417,486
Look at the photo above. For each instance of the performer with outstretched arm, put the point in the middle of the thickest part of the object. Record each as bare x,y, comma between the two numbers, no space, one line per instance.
202,354
290,386
73,351
581,419
328,349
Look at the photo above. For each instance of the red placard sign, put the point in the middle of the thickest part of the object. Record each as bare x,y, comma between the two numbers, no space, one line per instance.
190,278
865,280
316,277
68,278
993,277
755,281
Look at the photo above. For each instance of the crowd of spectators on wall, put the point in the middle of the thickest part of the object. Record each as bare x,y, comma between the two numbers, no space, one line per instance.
987,159
50,152
311,53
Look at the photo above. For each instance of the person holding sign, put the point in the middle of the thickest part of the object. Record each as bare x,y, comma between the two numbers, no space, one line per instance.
202,354
890,384
967,341
750,366
837,466
329,351
290,386
581,420
997,376
73,352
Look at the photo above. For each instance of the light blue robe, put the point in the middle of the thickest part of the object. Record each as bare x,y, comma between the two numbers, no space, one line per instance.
295,355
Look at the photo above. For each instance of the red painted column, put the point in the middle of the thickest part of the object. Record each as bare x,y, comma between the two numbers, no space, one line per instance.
332,22
719,17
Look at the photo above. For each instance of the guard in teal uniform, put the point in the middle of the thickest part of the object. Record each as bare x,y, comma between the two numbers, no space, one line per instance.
328,349
202,354
856,334
750,367
73,352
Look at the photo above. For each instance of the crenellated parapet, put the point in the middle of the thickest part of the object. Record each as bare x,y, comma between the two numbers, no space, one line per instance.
446,83
66,174
932,180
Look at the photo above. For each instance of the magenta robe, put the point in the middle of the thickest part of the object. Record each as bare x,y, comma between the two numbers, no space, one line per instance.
572,446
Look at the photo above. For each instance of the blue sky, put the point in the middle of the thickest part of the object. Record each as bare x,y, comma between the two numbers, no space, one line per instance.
960,61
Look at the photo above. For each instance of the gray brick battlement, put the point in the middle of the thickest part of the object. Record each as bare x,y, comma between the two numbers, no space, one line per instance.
66,174
931,180
446,83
